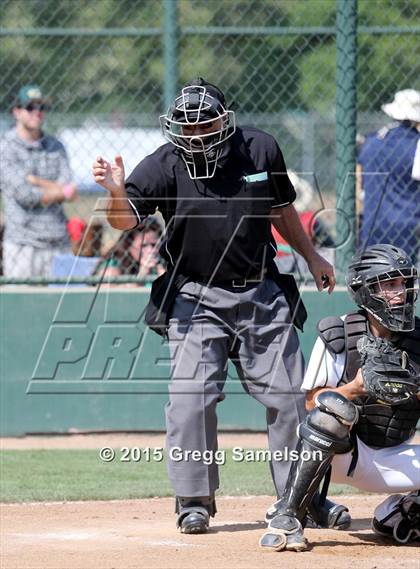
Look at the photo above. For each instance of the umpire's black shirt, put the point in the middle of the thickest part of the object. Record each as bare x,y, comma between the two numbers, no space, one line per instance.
217,228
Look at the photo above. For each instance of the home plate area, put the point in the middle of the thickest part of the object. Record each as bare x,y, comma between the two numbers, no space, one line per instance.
142,534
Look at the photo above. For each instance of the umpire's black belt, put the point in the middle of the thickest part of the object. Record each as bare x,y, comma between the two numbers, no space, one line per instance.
166,287
245,282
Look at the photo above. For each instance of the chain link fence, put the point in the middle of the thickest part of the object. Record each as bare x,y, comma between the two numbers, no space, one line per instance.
110,67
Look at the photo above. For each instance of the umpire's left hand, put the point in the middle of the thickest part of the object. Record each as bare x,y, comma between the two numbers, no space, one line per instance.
322,272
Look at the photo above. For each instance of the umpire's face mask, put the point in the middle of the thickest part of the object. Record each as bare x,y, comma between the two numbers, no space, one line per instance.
199,125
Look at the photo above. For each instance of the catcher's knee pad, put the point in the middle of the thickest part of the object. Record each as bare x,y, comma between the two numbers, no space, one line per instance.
194,513
328,425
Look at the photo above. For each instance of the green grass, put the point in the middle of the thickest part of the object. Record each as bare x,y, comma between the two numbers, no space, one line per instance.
56,475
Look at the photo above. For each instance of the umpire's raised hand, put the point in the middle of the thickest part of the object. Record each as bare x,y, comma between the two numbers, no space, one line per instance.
111,176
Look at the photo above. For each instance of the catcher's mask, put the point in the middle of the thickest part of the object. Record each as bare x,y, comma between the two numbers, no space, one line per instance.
198,123
366,277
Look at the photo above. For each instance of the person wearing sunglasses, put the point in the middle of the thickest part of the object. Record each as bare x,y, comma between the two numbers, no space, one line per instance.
35,181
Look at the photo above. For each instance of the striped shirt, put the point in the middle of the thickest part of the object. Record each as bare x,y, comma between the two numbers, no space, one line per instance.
27,220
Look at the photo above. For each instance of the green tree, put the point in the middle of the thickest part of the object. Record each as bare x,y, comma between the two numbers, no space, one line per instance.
263,72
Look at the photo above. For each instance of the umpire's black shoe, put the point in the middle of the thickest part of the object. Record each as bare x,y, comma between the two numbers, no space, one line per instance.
197,521
194,513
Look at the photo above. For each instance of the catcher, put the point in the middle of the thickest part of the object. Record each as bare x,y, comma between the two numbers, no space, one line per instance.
362,393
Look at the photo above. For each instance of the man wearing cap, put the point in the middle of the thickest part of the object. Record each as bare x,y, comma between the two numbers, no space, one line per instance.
35,180
390,181
218,188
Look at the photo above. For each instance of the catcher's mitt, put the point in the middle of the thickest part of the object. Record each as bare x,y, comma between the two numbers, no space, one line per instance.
387,373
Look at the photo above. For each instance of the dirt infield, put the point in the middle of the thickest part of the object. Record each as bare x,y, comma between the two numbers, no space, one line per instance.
116,440
141,534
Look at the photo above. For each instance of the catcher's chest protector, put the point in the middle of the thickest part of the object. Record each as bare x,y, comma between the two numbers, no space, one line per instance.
379,425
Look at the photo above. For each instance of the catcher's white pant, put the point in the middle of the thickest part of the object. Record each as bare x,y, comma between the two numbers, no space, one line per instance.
387,470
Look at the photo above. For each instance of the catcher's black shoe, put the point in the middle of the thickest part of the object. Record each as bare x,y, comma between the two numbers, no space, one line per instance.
381,529
194,513
329,515
403,533
284,533
404,521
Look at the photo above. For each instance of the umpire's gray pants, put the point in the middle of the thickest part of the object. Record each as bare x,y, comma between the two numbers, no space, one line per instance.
252,327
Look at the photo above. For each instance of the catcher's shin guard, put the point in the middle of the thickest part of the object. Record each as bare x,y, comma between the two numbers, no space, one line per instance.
324,433
194,513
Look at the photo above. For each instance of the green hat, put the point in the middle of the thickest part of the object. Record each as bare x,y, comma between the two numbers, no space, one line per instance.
30,93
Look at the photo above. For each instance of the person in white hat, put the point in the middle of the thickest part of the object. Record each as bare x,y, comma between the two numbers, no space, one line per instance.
405,106
389,161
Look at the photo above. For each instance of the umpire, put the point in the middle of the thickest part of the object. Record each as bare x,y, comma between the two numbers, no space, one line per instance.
219,188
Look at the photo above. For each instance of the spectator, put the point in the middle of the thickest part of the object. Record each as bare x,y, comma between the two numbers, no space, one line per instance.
288,261
85,238
135,253
76,228
390,191
35,180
